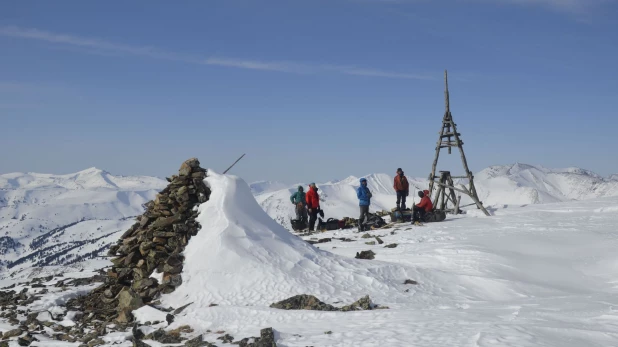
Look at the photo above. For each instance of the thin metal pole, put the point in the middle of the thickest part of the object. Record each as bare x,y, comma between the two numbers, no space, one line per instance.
237,160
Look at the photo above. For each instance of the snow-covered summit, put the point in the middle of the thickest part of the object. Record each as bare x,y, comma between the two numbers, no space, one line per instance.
261,187
241,256
530,184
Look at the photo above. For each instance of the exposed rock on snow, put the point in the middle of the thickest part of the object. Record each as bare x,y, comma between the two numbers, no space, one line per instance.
303,302
310,302
366,254
266,339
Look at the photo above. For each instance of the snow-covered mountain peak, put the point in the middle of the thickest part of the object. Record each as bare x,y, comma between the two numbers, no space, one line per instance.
261,187
88,179
92,171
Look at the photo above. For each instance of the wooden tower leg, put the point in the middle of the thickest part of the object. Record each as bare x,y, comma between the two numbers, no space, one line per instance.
448,138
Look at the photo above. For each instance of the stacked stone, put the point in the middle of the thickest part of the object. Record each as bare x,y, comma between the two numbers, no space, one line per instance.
154,243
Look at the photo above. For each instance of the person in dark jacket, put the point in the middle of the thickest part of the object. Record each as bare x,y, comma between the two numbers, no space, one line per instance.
402,187
364,200
424,206
298,199
313,205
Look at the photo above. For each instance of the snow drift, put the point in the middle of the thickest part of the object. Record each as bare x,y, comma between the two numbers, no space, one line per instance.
241,256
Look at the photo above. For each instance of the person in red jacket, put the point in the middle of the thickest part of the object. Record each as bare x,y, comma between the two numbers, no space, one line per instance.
419,210
402,188
313,205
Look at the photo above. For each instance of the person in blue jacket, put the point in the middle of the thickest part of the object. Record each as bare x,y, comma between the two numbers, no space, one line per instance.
364,200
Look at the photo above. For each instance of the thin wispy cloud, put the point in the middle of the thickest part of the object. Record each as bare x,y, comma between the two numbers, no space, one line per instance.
571,6
94,45
574,7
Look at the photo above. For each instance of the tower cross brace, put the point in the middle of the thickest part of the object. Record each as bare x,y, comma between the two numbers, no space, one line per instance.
449,138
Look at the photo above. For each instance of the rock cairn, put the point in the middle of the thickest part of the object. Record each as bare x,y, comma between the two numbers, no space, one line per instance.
154,243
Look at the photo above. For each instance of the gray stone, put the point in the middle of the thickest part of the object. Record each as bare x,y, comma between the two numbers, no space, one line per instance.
365,255
96,342
198,342
172,280
12,333
129,300
124,317
303,302
363,303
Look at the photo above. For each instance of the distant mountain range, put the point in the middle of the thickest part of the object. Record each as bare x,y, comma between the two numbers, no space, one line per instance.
67,219
70,220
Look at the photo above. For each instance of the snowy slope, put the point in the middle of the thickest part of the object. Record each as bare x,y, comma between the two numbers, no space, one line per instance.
528,276
540,275
261,187
59,219
56,219
520,184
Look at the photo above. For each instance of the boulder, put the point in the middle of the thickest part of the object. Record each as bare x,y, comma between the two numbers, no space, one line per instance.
129,300
303,302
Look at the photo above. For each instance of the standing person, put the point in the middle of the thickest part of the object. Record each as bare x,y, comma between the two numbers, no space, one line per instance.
402,188
419,210
364,200
298,199
313,204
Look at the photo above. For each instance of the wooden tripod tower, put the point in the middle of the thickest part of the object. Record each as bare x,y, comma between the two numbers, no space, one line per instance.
449,138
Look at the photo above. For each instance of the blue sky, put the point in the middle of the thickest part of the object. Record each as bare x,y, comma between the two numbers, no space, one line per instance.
310,90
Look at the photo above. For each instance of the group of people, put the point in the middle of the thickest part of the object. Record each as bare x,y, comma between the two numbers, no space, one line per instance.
308,204
402,188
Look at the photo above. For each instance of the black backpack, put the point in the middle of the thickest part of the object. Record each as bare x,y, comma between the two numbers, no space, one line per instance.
373,222
434,216
297,224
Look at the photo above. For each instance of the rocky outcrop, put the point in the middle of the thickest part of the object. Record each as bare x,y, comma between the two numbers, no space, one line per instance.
303,302
365,255
310,302
153,244
266,339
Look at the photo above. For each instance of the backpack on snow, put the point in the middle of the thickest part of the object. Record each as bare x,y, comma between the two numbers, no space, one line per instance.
373,222
405,215
298,224
434,216
331,224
